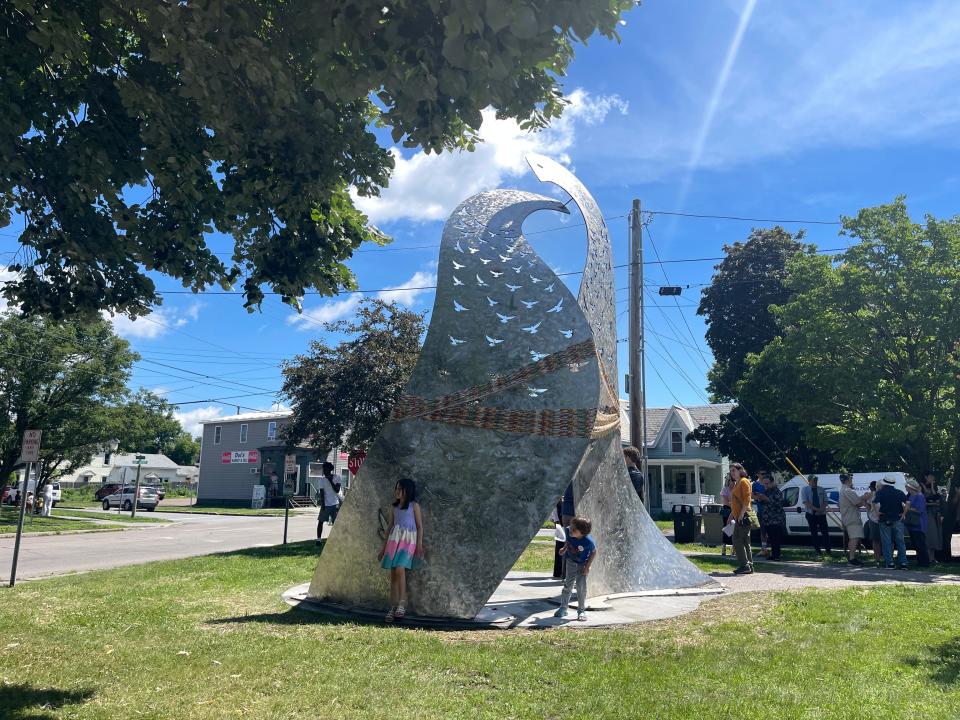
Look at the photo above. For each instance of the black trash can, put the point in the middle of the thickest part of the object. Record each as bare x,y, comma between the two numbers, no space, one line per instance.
686,524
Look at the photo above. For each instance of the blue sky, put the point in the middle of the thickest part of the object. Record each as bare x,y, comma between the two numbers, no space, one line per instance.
756,109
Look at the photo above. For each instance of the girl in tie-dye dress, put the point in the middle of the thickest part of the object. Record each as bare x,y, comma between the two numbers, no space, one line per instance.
403,547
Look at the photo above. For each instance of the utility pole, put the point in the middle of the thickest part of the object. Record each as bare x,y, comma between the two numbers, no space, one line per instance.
138,461
635,344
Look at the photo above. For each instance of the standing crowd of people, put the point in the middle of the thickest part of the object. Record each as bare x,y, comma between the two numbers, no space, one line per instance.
892,515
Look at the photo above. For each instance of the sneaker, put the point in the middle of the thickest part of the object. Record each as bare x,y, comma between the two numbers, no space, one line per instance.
582,616
743,570
855,563
904,567
723,552
562,612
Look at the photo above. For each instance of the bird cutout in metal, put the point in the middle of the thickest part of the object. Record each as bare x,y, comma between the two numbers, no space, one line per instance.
535,280
457,247
532,420
480,282
549,288
556,308
530,303
458,307
492,302
485,261
458,266
534,355
492,342
513,288
495,273
567,333
532,329
636,556
456,280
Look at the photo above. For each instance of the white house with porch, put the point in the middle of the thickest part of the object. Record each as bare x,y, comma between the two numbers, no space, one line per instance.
682,472
106,467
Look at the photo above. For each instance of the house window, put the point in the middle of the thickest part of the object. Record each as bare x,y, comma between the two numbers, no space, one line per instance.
243,433
676,442
217,431
272,430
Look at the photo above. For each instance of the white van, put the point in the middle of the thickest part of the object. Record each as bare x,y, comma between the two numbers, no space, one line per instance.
796,518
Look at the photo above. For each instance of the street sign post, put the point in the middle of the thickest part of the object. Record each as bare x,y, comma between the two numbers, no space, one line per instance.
29,453
138,461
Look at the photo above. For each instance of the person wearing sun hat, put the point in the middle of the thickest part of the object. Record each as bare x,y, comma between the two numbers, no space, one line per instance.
890,502
915,520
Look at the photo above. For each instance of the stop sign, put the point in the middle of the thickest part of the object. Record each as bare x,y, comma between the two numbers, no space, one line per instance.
355,461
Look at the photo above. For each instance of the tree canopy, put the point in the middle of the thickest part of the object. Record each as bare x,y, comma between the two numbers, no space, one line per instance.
737,308
59,378
869,357
145,423
342,395
131,130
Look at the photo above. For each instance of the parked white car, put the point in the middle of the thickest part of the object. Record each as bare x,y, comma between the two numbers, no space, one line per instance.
796,519
148,499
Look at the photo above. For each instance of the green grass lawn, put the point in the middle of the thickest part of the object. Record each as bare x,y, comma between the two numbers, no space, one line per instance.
210,638
37,524
113,517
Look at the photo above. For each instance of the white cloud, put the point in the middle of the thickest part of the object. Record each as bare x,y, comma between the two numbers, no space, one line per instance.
405,293
191,419
157,324
5,276
328,312
420,283
428,187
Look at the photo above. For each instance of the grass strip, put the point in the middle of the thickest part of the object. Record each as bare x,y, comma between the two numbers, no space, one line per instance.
209,637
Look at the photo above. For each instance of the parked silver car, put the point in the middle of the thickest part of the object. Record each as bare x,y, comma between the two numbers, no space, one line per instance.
148,499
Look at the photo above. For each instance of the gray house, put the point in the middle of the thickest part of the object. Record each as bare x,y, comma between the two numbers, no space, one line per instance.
239,452
682,472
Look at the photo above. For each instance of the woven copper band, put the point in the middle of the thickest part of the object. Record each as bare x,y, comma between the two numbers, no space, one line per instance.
460,408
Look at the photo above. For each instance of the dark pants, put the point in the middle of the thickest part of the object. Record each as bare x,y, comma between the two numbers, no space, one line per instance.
741,544
558,559
328,513
774,539
818,528
919,540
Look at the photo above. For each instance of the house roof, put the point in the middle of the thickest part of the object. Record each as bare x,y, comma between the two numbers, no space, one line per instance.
245,417
693,416
153,461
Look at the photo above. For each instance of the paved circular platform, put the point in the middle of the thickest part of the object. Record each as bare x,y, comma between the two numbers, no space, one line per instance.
529,600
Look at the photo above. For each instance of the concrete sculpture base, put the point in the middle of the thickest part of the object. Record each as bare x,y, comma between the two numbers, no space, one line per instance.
528,600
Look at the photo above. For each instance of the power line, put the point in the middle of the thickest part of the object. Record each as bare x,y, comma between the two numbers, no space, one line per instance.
741,219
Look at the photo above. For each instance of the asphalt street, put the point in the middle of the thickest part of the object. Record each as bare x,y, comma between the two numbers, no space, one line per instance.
188,535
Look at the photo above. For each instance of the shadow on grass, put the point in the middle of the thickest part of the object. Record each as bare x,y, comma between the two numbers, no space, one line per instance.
308,548
24,701
942,663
